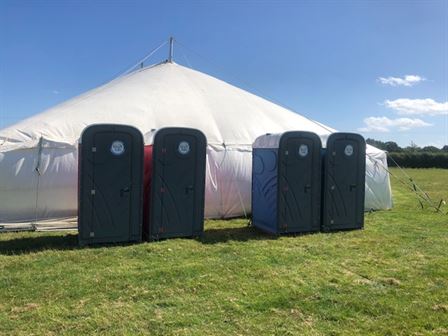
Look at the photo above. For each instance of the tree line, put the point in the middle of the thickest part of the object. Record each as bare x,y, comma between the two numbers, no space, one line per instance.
413,156
393,147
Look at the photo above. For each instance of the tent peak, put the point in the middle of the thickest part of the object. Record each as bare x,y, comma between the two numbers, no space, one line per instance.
171,50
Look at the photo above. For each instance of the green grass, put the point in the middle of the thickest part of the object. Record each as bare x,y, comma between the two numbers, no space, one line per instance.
389,279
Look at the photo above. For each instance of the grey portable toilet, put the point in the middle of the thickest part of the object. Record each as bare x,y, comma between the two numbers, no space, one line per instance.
286,182
177,184
344,182
110,184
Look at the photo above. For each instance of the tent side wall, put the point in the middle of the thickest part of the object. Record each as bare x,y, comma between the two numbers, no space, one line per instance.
50,192
378,194
38,183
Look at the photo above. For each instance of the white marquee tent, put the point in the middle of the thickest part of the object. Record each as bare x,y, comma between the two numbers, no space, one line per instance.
38,156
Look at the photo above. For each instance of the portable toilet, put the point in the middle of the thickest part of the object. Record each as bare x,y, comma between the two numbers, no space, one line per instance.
286,182
174,183
344,182
110,192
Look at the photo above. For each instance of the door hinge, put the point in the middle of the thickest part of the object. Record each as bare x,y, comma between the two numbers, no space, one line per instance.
93,149
92,192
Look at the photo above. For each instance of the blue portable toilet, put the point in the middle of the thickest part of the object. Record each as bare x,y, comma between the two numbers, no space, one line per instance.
286,182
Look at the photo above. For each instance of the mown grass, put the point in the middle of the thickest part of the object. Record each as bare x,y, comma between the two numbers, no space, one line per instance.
389,279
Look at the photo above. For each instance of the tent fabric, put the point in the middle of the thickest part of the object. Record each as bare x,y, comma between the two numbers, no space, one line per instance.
38,156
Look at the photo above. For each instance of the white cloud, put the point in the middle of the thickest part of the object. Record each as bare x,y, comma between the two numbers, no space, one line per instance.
408,80
384,124
56,92
405,106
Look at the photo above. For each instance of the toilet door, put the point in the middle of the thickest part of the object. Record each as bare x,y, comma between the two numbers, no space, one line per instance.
178,182
110,184
299,182
344,192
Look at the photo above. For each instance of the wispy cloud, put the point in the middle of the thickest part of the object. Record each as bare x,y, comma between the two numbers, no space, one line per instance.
408,80
405,106
384,124
56,92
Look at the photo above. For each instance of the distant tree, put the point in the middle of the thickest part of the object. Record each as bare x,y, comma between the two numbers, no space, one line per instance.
376,143
431,149
412,147
392,146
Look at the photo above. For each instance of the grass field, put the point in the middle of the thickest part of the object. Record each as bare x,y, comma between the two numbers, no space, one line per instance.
389,279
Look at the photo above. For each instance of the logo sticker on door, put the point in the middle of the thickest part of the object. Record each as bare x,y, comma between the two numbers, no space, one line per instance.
183,148
348,150
303,150
117,147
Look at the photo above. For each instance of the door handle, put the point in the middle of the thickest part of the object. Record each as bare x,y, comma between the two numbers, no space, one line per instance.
188,189
124,190
307,187
352,186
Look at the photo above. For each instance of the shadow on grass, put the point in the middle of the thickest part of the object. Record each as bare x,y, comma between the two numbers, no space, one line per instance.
246,233
29,245
35,244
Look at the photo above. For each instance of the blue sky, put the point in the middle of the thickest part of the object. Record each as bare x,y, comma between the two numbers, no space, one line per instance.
343,63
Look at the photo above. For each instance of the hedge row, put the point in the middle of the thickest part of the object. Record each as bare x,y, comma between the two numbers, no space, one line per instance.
418,160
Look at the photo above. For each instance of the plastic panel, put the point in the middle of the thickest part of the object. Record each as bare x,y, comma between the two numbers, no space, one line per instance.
264,189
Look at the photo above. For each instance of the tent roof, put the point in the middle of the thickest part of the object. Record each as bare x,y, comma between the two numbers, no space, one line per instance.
158,96
268,140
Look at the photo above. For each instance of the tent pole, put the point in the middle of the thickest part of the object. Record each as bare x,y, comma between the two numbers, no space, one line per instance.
170,56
